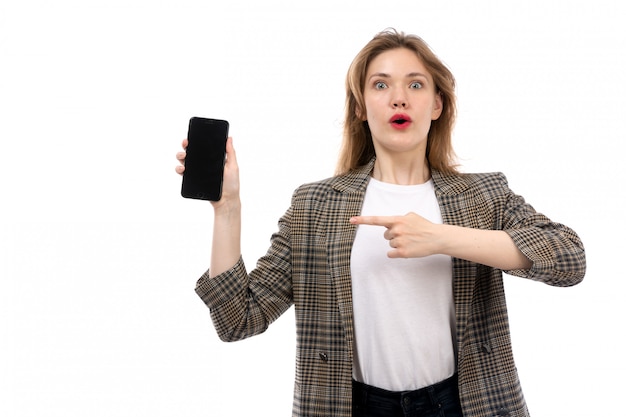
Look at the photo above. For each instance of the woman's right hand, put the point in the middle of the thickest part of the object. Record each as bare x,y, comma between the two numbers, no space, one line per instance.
230,185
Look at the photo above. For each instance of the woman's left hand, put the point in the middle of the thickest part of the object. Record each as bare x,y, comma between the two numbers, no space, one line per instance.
410,236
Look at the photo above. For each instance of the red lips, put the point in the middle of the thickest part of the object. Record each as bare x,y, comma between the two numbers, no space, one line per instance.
400,121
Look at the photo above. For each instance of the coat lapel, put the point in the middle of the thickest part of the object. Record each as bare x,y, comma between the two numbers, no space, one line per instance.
449,191
345,201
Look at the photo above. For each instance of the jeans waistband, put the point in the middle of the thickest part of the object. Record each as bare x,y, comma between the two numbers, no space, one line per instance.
426,392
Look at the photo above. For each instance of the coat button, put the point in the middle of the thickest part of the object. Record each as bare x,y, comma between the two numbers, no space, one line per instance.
486,348
323,357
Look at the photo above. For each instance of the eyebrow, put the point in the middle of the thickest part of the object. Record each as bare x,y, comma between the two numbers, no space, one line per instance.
410,75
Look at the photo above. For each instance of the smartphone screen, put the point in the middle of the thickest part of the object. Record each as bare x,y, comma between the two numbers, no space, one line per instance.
204,164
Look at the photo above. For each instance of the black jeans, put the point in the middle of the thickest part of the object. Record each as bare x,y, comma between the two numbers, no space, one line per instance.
438,400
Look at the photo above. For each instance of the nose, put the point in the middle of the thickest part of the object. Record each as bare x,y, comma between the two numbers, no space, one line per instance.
399,100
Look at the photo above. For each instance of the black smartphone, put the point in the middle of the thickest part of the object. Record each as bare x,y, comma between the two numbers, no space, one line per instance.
206,154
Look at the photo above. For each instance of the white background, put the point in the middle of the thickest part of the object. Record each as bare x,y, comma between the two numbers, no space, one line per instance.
99,254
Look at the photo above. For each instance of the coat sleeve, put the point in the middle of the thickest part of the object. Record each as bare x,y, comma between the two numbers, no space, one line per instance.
556,251
243,304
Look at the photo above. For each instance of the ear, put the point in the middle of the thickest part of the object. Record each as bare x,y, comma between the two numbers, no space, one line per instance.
438,107
360,114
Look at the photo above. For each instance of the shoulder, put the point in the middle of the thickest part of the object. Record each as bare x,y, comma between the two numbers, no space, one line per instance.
352,182
317,188
460,183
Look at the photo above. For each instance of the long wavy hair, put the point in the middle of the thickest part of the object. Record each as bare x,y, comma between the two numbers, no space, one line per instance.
357,147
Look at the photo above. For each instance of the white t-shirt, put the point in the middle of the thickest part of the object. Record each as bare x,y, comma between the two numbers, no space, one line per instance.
404,318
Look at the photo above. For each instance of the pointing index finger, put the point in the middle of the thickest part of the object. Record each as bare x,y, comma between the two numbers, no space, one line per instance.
385,221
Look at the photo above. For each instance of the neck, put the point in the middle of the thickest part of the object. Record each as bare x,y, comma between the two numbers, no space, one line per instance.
401,172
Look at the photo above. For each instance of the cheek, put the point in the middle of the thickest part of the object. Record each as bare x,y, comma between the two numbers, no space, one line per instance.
372,103
371,110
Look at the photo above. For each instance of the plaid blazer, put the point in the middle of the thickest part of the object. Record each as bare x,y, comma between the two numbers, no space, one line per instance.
308,265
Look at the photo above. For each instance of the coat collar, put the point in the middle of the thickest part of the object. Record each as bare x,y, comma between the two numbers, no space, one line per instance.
357,179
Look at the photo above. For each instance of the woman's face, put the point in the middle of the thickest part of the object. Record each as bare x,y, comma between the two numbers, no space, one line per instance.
400,102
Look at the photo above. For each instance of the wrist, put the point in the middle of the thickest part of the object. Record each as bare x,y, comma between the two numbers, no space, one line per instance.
226,208
446,237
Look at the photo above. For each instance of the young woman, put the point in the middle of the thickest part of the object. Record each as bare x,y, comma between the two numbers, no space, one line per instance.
394,264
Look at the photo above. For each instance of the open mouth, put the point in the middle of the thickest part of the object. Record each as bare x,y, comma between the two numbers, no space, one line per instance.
400,120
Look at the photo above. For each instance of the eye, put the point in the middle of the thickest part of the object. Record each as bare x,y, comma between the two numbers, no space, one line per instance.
379,85
416,85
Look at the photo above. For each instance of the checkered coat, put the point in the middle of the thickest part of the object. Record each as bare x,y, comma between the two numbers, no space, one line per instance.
308,265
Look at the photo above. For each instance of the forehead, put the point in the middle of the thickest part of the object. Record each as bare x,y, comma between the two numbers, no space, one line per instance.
397,62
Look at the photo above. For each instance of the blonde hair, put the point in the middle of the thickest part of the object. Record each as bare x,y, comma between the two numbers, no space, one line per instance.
357,147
